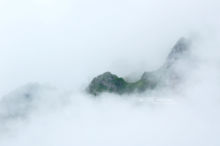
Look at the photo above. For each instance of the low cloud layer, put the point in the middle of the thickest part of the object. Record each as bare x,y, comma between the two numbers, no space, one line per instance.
182,115
62,45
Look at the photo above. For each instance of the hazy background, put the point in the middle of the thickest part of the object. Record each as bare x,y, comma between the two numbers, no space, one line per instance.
64,44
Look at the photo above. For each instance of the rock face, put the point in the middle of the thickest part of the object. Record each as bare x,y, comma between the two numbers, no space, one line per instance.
180,49
108,82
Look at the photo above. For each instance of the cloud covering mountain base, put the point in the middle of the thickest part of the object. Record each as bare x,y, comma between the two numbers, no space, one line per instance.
62,45
182,115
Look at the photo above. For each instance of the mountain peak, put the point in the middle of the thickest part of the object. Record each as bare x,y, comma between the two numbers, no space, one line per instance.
108,82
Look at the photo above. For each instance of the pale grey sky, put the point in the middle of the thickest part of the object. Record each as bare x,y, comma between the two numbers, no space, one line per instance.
66,42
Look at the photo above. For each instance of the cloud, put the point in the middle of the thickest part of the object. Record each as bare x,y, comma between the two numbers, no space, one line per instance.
59,42
66,43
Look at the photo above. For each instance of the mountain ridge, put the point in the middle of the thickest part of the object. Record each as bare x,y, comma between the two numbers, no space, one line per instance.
108,82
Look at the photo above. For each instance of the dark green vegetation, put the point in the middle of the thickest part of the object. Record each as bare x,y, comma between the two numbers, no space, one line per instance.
108,82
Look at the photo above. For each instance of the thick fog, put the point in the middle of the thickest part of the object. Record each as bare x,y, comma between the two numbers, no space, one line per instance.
51,49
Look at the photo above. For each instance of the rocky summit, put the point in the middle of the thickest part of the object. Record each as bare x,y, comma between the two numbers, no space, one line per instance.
108,82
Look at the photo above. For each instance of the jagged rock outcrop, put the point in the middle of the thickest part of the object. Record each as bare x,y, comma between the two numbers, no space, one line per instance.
111,83
107,82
